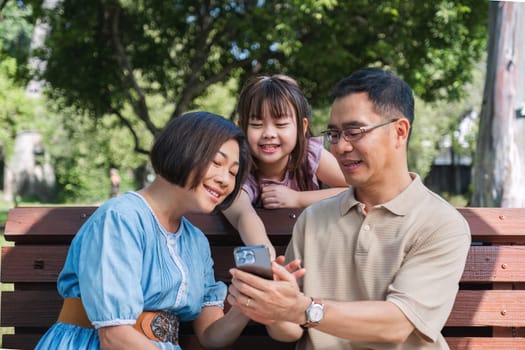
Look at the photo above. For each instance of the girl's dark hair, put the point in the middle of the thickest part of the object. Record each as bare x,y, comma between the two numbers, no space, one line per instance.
190,142
279,92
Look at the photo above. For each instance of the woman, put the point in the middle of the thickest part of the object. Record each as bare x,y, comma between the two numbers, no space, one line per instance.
137,267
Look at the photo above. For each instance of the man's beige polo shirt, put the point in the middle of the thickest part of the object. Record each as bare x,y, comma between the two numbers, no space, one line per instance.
410,251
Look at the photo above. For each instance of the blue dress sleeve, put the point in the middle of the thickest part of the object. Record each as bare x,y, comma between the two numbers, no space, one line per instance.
110,269
215,291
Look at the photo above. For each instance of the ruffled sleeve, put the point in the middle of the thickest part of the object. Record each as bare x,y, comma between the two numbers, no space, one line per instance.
110,269
215,291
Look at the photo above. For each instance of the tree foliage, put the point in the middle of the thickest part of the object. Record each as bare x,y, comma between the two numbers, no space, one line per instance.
156,58
117,71
15,30
16,109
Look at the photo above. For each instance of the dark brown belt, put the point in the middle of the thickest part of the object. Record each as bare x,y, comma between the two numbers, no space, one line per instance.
155,325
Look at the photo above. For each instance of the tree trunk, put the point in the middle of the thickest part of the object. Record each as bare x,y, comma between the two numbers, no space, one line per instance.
499,168
29,173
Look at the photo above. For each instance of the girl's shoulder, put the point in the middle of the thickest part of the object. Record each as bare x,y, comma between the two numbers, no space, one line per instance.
315,151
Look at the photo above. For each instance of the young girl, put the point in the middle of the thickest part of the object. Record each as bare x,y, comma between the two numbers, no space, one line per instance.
137,266
288,162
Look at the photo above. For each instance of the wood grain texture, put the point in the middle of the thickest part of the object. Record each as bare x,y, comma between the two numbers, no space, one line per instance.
491,299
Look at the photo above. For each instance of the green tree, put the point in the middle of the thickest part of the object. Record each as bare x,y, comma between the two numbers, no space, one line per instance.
16,110
15,30
157,59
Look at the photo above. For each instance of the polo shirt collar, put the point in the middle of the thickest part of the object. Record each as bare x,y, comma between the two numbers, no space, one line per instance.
402,204
348,201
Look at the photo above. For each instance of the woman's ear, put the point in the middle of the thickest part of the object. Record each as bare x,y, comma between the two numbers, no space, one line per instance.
305,125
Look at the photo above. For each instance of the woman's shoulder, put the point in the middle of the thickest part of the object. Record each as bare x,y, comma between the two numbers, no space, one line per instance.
128,208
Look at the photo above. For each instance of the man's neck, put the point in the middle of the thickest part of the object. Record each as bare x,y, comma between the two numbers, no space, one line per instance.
376,194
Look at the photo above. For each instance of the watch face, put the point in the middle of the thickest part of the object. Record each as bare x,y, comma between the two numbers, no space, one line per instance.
315,313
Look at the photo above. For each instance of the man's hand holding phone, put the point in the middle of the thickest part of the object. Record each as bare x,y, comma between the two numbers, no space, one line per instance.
263,300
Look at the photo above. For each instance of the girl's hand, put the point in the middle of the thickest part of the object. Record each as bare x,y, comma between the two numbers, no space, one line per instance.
279,196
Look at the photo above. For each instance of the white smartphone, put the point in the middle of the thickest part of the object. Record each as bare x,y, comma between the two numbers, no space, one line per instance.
254,259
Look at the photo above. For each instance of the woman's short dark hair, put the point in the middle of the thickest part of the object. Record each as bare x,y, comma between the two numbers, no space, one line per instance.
189,144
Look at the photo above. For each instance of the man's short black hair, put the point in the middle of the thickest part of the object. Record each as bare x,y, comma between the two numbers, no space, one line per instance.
389,94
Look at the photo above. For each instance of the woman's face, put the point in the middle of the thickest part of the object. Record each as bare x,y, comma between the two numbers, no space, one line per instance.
219,180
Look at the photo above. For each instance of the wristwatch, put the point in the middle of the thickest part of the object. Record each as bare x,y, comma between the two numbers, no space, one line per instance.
314,314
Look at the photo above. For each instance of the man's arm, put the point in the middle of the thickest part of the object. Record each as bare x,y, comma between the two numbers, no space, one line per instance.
370,321
282,301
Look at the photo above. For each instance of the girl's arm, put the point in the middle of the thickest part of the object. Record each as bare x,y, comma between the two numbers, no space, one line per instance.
328,172
215,330
281,196
245,220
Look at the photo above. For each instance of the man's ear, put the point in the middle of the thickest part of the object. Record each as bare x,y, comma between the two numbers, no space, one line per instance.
402,130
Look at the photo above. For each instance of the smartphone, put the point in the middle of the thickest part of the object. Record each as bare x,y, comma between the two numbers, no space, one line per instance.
254,259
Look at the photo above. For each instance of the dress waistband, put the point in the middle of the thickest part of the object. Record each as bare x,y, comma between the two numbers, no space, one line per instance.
155,325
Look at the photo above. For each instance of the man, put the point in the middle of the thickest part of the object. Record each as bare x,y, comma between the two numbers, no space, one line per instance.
383,259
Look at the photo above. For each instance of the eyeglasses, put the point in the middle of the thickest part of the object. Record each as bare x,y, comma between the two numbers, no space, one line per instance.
352,134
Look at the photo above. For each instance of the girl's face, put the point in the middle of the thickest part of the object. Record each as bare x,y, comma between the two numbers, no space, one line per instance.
272,138
219,180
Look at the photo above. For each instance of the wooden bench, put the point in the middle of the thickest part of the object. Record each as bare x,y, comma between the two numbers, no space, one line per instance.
489,312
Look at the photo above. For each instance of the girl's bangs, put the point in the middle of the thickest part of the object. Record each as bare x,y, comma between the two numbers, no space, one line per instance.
273,102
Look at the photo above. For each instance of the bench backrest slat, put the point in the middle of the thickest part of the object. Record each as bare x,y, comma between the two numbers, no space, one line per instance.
489,312
495,264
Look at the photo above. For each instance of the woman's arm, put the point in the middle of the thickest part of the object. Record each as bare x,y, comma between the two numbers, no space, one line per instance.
285,331
218,330
245,220
123,338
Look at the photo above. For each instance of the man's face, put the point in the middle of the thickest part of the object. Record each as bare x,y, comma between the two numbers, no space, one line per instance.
368,160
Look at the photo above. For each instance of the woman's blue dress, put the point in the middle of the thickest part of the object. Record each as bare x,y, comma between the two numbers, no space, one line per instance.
122,261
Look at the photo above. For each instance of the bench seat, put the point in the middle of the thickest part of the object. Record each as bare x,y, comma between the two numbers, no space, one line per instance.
489,311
